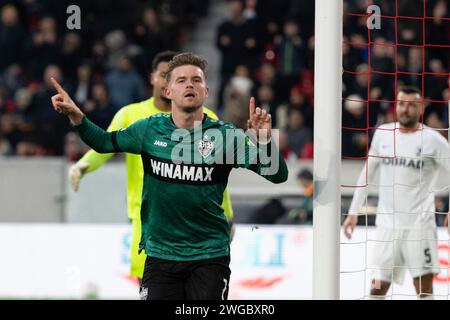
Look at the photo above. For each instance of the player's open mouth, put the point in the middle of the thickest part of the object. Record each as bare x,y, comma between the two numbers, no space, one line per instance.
189,95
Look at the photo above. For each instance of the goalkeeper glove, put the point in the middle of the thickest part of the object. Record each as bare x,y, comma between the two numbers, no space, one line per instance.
232,229
76,172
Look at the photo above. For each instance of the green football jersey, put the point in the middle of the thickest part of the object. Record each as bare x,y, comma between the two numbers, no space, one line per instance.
185,174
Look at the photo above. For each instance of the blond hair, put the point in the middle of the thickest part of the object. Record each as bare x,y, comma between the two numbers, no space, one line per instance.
185,58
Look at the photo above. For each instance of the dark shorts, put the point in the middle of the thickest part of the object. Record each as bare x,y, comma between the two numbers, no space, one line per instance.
186,280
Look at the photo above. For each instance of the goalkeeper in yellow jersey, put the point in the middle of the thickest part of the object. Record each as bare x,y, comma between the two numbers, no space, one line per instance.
122,119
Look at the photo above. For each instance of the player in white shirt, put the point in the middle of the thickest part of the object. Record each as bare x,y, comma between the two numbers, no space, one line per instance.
406,155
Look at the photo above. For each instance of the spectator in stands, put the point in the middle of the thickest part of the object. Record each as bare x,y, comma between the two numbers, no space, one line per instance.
266,75
30,146
360,81
3,108
52,127
382,60
354,141
25,120
414,66
237,95
124,84
99,109
118,46
74,148
13,78
298,134
44,48
437,30
388,116
236,37
115,46
12,37
149,33
309,53
268,213
303,214
270,15
99,58
296,101
442,208
436,88
71,56
5,146
289,51
83,86
40,99
8,131
433,121
265,97
382,56
285,150
351,58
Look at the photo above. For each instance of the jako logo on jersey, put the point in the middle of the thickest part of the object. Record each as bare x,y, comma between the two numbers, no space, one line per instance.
160,143
181,172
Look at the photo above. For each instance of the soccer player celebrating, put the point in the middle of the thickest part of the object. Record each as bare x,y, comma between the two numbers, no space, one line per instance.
407,155
184,231
127,115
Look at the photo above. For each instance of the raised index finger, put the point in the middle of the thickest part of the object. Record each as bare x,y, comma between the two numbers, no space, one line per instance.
57,86
252,105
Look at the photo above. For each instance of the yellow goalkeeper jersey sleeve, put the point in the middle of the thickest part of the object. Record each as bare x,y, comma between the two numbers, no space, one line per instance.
135,171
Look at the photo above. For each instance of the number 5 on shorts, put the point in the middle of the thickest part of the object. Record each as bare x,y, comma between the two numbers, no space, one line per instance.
427,255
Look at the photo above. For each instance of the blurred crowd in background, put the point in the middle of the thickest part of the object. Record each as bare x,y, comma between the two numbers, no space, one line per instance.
104,65
417,54
266,49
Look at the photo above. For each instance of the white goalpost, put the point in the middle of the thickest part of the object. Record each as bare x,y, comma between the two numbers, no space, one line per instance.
327,149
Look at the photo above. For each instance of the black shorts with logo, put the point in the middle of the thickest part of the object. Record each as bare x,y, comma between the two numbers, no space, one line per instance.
186,280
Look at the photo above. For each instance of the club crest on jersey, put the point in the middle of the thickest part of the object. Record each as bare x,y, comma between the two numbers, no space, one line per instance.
205,146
